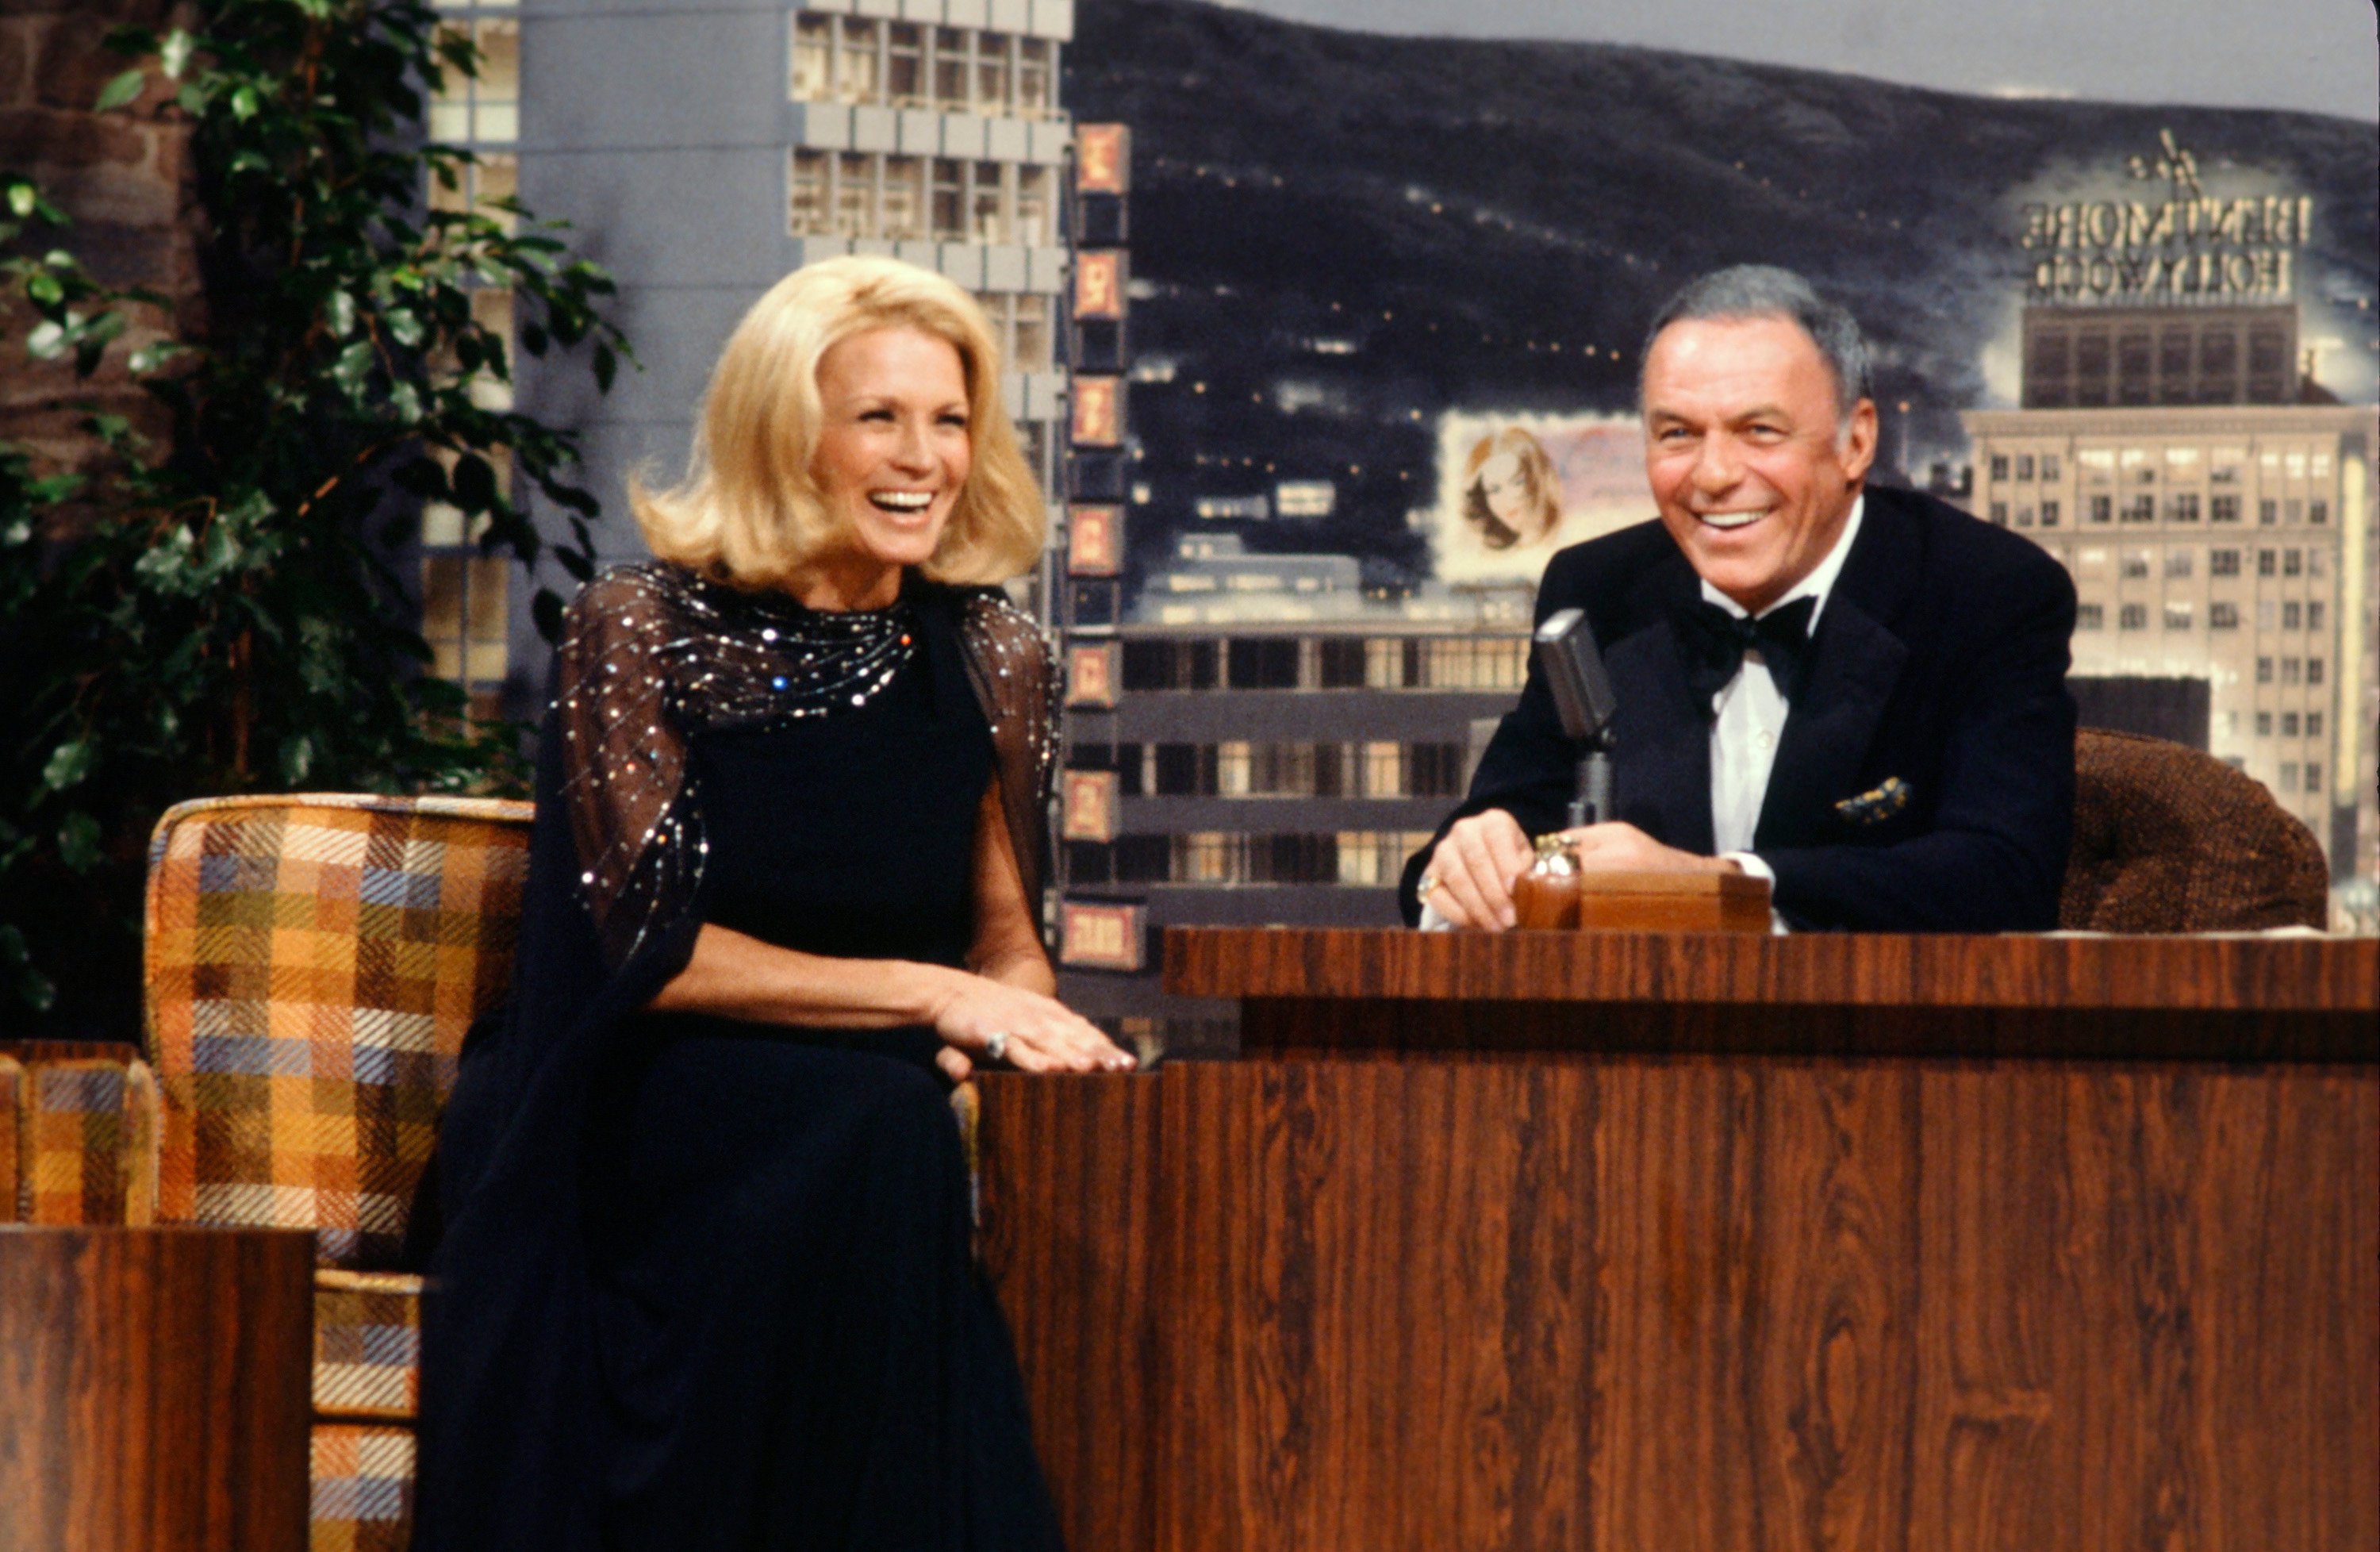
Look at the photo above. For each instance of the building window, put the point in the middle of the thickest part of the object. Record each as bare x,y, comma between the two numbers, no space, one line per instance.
2293,671
2313,615
987,204
2140,509
1999,514
2314,724
2183,507
991,73
2177,616
2265,562
806,211
2223,562
2049,465
2316,566
2132,616
2268,513
2223,509
904,66
2263,670
2024,465
2090,617
486,107
479,187
1999,466
1035,68
2292,561
856,80
2178,564
950,199
2222,616
2318,511
2103,509
2264,724
2288,724
2289,776
2292,615
813,58
854,195
2313,671
1033,334
2049,514
2313,776
1036,207
1384,770
2136,564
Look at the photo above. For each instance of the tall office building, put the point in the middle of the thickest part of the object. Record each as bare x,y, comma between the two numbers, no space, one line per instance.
702,155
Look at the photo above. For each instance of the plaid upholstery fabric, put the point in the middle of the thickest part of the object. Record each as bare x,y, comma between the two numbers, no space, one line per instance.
90,1147
313,965
367,1344
2171,840
12,1140
363,1488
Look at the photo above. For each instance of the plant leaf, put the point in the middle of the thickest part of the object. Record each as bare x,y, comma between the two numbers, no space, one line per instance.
22,198
120,91
69,764
339,313
175,54
78,841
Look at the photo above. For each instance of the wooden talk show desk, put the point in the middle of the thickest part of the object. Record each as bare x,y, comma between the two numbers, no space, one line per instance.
1639,1241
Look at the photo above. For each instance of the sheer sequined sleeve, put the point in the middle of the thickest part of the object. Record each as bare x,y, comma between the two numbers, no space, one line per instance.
625,781
1015,676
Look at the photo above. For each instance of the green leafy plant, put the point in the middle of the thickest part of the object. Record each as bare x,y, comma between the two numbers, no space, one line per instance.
215,611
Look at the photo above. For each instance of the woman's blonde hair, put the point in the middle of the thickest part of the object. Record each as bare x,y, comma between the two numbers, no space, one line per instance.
750,511
1537,471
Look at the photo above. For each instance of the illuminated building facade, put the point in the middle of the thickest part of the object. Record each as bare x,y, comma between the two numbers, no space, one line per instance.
2213,503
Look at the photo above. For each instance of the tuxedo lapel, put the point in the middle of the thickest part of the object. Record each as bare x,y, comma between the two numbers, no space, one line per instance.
1662,762
1855,661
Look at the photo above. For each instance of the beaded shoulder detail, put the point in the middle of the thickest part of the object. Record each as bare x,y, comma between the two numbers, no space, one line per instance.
653,656
1014,672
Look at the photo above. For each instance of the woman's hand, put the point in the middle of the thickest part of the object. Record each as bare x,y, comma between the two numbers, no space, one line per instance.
1042,1033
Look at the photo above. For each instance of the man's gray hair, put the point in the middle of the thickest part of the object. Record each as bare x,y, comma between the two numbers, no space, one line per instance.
1766,291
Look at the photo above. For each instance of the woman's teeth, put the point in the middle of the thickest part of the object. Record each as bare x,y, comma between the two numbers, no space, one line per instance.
902,501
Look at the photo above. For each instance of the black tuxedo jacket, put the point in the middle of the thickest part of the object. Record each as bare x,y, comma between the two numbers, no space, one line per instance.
1939,659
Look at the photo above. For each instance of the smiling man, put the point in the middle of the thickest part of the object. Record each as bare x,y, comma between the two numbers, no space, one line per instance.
1858,693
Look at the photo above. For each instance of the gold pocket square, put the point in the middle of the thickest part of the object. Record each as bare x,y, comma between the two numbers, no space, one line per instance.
1876,805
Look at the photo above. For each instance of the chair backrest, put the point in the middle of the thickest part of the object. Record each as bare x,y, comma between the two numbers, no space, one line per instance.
2171,840
313,962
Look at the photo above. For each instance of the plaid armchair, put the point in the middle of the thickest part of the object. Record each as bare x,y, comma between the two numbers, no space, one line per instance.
313,965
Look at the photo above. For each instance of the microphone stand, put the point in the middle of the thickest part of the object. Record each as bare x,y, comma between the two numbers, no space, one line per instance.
1592,802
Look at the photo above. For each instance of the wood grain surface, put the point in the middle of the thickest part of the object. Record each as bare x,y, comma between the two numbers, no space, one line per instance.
1685,1304
1310,993
2208,973
153,1390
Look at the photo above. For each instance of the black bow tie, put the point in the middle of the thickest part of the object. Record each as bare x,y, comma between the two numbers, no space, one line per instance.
1714,642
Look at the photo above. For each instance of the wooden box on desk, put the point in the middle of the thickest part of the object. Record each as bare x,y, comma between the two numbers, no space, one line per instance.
1643,901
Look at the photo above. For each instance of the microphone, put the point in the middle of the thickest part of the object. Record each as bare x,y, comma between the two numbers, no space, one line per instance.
1582,692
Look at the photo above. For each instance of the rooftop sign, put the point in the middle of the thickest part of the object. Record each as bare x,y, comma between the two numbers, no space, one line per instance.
2186,247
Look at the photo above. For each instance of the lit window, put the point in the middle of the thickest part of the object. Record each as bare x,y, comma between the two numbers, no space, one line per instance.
486,107
1384,769
1036,210
813,70
855,78
1031,351
854,193
987,204
991,62
1034,73
904,197
494,176
807,201
2177,616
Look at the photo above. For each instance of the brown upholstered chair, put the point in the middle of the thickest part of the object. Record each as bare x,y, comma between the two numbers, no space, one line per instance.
2171,840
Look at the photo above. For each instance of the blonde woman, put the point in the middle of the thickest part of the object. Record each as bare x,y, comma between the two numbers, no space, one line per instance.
1511,494
705,1278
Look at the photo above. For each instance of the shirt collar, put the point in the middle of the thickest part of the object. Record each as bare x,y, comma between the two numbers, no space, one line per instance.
1818,583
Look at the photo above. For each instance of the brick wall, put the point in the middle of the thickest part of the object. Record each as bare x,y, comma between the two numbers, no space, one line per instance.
124,177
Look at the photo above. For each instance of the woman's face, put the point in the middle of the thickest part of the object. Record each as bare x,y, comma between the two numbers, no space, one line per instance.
894,445
1504,486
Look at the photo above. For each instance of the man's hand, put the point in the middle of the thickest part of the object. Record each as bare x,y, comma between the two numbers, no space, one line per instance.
1469,878
1618,847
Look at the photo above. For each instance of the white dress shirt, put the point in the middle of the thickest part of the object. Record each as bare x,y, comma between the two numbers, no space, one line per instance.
1748,722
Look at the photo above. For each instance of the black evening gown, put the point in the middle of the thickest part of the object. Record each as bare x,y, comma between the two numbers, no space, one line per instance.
765,1327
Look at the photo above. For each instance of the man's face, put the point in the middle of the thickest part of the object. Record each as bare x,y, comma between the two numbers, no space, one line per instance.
1753,469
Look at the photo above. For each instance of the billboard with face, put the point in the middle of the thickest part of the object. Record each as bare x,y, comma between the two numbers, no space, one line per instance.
1514,488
